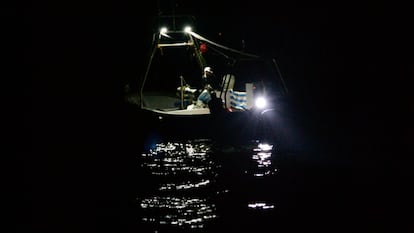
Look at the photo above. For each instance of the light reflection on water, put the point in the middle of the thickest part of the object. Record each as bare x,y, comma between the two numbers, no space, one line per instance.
260,205
262,154
184,211
188,181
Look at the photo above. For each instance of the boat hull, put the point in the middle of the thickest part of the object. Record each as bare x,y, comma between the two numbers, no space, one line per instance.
227,126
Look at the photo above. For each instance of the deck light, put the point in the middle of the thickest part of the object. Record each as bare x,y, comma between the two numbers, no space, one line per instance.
163,30
260,102
187,29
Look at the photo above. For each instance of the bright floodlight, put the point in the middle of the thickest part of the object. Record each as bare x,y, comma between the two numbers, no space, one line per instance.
163,30
187,29
260,102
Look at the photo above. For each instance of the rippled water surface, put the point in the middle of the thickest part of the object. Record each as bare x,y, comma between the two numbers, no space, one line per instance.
201,185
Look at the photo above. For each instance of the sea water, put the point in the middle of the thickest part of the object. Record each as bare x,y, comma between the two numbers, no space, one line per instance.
200,185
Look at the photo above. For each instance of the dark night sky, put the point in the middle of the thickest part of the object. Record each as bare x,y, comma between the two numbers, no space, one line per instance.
342,61
327,48
345,64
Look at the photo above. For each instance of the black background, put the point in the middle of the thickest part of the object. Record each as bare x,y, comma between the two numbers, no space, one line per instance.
346,64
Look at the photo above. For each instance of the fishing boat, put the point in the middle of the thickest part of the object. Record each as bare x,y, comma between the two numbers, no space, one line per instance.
246,84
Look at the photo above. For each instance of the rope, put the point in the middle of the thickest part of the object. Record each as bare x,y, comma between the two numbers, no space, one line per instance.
222,46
